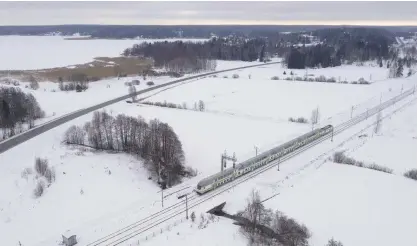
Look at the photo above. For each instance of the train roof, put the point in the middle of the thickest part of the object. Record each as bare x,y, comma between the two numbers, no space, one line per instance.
244,164
210,178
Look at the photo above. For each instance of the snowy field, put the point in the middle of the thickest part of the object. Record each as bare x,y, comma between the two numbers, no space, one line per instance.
97,193
399,135
264,99
332,200
347,203
37,52
56,103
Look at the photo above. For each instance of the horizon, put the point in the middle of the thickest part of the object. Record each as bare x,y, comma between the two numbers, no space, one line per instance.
202,13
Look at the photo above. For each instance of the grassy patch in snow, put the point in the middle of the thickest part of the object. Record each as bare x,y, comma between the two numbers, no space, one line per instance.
101,67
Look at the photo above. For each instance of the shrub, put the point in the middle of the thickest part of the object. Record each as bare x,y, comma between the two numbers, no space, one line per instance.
298,78
288,78
41,165
354,82
379,168
301,120
150,83
225,76
275,78
235,76
362,81
39,189
192,217
311,79
411,174
50,175
321,78
331,80
298,120
341,158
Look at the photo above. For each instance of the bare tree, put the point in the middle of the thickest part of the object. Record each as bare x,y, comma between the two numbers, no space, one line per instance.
34,85
132,91
201,106
41,166
315,117
75,135
155,142
377,127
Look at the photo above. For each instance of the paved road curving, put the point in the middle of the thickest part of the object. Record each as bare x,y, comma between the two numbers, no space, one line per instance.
22,137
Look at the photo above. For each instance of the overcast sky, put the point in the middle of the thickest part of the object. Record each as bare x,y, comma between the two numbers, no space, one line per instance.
214,12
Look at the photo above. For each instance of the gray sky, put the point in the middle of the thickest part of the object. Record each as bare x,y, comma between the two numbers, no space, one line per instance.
214,12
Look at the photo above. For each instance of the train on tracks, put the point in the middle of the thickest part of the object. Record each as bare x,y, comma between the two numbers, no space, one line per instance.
228,175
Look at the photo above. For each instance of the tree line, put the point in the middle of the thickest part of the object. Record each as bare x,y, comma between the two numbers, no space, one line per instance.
342,45
199,56
16,109
155,142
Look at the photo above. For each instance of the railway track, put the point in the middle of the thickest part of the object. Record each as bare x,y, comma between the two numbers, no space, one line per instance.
127,233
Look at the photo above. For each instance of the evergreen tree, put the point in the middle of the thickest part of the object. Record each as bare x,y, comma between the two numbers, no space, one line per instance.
5,110
262,54
400,68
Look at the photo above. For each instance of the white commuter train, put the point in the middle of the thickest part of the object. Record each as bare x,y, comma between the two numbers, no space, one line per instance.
230,174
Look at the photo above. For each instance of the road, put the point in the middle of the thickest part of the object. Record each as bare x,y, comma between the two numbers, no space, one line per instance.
22,137
124,235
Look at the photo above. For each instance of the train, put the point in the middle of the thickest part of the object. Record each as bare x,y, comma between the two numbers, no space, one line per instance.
228,175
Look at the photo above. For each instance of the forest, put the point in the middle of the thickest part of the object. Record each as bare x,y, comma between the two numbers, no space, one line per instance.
335,46
155,142
17,109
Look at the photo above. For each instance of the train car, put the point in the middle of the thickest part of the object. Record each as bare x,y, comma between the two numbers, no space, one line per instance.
229,174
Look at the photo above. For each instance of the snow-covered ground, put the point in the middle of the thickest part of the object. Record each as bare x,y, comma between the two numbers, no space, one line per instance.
56,103
331,199
263,99
37,52
398,135
356,206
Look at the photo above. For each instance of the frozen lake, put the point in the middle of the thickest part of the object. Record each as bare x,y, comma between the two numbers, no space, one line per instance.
36,52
